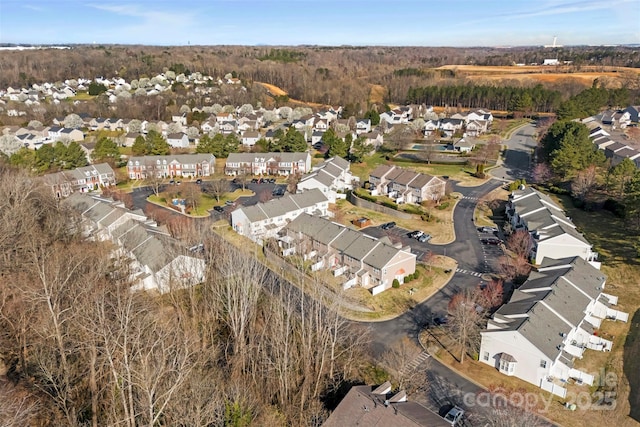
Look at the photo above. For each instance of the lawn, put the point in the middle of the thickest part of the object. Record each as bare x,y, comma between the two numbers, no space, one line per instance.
455,172
440,227
204,203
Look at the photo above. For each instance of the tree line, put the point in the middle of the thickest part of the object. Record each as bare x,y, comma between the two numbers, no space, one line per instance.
502,98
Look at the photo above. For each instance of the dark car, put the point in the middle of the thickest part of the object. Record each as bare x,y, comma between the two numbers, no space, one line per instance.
440,320
218,208
198,181
272,180
388,225
278,191
254,181
491,241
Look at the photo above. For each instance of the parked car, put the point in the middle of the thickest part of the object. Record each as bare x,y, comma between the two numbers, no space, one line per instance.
454,415
218,208
229,202
278,191
440,320
491,241
254,181
388,225
199,181
415,234
424,238
172,181
487,229
271,180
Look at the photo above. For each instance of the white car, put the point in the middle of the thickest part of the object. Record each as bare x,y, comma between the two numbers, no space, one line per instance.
454,415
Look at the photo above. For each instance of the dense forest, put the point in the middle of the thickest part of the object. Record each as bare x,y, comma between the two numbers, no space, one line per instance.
324,75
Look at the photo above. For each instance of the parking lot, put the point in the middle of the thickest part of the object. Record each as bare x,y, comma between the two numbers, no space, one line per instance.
402,234
492,247
263,191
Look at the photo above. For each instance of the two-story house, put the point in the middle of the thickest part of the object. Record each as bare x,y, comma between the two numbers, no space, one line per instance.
405,186
331,176
268,163
554,235
177,165
548,324
360,259
264,220
82,179
157,261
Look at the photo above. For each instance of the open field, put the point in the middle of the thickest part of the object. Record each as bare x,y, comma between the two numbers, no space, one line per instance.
276,91
543,74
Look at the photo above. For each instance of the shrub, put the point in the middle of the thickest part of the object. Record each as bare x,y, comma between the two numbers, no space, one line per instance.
426,217
390,205
395,284
412,209
408,278
319,155
416,274
443,206
557,190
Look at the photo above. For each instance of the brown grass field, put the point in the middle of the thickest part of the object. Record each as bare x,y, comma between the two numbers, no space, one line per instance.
544,74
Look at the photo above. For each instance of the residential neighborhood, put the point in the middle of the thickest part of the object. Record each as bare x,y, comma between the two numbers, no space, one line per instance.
385,227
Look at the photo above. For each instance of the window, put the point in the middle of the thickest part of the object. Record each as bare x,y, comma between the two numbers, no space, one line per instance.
543,364
485,356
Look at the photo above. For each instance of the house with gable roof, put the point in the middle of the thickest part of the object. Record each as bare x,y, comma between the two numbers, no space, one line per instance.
157,261
82,179
268,163
178,140
331,176
549,323
177,165
405,186
264,220
360,259
378,406
553,234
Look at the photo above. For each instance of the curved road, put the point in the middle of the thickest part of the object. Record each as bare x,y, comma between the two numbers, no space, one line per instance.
446,386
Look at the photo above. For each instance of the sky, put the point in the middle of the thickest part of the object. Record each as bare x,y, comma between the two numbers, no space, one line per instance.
321,22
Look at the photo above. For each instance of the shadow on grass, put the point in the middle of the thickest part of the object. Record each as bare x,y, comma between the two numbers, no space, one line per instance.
632,365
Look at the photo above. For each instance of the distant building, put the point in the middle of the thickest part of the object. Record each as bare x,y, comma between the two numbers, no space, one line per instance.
179,165
83,179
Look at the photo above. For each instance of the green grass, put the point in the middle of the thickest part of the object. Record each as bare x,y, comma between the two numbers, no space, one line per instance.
81,96
456,172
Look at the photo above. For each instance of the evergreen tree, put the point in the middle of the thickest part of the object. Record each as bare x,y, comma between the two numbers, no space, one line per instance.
74,156
359,150
139,147
568,149
106,150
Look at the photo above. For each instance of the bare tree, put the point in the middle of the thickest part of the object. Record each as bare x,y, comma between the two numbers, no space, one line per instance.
465,319
399,360
520,243
153,176
292,182
217,188
584,183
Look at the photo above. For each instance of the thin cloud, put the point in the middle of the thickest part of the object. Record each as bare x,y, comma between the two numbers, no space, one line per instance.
151,16
34,8
566,8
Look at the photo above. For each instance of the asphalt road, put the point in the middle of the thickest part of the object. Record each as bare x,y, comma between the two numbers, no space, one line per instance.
517,159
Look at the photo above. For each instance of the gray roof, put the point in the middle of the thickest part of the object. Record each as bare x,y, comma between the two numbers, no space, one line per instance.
357,245
380,171
180,158
563,286
362,406
283,157
278,207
